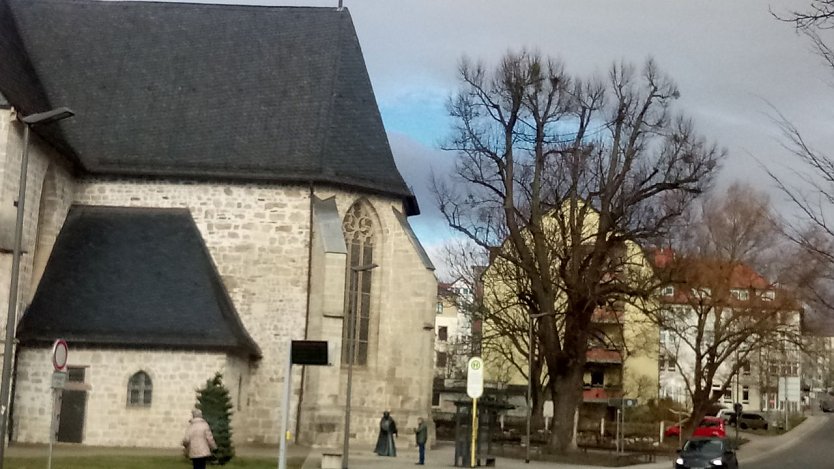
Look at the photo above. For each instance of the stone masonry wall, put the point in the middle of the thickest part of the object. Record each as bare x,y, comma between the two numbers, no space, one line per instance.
175,376
398,374
257,236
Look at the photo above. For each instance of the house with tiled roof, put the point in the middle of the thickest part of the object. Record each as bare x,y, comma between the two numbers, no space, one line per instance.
708,299
225,186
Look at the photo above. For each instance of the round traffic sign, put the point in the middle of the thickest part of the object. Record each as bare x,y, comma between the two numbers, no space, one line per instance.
60,353
475,378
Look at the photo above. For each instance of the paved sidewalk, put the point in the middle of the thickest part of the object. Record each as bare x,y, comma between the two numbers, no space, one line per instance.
443,457
758,448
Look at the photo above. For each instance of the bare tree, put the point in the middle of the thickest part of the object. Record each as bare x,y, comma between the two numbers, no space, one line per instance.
557,173
718,312
819,14
810,183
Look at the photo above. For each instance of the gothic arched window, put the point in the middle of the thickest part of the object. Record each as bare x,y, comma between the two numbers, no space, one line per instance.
139,390
359,238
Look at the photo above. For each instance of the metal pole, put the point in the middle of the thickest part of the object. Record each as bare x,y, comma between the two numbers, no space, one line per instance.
285,412
350,338
617,433
474,446
8,346
529,387
52,427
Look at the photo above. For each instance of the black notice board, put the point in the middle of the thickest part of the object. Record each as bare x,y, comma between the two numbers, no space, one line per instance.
309,352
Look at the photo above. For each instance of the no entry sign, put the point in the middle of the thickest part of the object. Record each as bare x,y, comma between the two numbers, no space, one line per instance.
60,352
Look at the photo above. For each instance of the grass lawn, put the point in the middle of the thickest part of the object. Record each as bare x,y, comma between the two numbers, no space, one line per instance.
136,462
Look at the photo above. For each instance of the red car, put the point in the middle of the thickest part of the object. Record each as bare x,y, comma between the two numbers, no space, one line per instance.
709,427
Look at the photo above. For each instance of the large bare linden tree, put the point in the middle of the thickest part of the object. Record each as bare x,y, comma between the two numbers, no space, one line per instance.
561,171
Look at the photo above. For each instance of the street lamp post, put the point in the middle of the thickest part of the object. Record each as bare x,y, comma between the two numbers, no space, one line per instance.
31,120
351,336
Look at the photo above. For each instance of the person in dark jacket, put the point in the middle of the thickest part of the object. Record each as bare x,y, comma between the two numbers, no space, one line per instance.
387,431
422,435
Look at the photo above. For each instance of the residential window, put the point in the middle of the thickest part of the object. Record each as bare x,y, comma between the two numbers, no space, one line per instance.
597,378
670,362
439,307
661,362
728,396
443,333
740,294
139,390
745,368
745,394
769,295
441,360
668,290
360,239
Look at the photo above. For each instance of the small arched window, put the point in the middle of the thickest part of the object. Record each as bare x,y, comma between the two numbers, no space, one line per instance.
139,390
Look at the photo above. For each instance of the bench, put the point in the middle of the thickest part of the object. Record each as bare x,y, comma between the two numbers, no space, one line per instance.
331,460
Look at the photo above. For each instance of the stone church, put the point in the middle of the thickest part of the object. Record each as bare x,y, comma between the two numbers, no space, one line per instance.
225,176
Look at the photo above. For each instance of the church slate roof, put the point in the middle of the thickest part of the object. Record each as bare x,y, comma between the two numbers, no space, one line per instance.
133,277
277,94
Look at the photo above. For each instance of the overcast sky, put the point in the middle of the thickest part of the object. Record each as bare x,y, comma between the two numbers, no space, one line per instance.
730,58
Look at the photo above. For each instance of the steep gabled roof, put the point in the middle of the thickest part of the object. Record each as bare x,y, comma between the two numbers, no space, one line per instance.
133,277
201,91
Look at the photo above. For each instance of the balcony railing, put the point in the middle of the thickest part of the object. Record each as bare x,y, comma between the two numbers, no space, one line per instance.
601,394
603,356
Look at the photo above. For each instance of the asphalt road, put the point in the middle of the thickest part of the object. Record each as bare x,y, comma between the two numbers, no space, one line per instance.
814,451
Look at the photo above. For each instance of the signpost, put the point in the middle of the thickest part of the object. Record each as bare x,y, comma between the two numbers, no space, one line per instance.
621,404
60,354
474,389
300,352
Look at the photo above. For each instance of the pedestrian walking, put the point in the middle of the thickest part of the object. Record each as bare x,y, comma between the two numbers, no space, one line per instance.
421,433
198,440
387,431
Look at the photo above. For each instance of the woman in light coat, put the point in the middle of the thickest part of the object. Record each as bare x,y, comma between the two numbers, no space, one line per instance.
198,440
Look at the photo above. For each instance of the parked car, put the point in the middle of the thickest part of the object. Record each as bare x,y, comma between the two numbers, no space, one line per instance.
706,453
726,414
751,421
827,405
709,427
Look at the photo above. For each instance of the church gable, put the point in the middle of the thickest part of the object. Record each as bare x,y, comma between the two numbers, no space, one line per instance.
133,277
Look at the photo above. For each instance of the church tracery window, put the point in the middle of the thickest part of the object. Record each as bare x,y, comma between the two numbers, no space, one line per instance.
358,227
139,390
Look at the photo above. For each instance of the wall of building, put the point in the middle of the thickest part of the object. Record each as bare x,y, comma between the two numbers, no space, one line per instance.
110,421
398,374
258,236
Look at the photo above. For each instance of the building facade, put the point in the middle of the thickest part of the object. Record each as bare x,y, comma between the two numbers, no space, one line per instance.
181,225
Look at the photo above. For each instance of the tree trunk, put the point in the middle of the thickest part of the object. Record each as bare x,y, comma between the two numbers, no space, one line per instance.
567,399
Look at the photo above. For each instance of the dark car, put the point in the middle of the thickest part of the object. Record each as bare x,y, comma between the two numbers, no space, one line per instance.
751,421
827,406
706,453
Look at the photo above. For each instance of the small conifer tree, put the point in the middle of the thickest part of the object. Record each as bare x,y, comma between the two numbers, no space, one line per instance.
216,405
